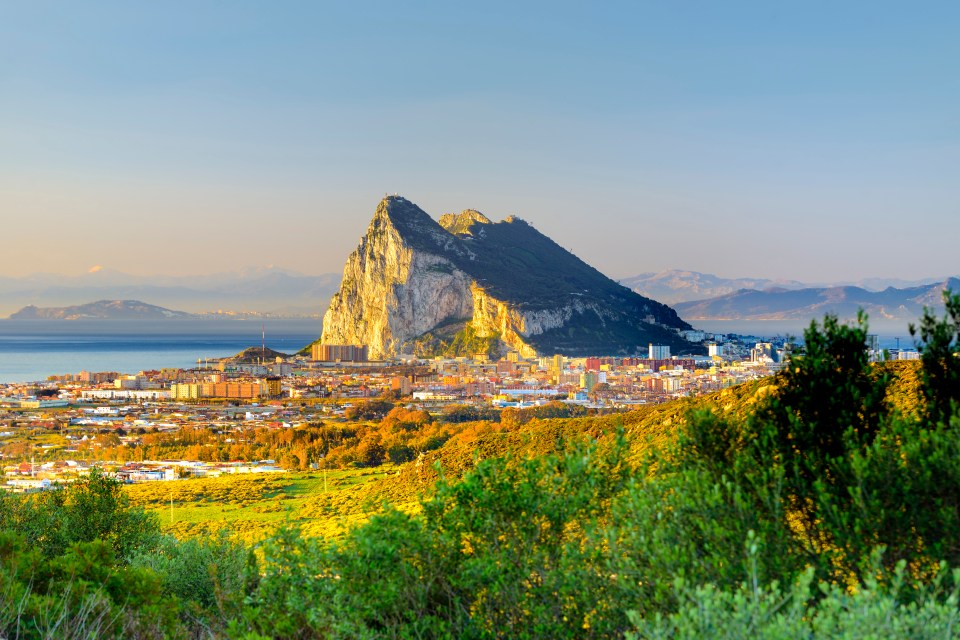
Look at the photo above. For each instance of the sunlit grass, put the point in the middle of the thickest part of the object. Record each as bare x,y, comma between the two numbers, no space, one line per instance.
252,506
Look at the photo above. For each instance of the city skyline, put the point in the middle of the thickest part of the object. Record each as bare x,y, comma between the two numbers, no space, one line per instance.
812,143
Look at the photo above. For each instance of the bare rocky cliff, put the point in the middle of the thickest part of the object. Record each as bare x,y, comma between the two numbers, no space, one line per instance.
412,277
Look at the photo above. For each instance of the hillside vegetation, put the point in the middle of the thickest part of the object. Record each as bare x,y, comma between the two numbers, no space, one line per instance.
820,504
251,507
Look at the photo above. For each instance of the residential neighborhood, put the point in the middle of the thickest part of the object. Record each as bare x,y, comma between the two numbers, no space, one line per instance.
76,418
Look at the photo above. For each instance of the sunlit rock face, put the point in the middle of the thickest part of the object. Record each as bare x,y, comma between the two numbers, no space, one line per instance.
411,275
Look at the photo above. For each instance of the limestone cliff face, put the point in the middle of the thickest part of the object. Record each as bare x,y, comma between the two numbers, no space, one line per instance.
392,292
492,317
411,275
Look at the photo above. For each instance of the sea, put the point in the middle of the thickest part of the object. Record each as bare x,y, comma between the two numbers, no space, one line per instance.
32,350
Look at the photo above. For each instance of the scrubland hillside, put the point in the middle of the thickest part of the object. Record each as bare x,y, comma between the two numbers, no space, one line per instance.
822,503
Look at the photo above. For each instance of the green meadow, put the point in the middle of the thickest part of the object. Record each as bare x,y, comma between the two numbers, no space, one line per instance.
252,506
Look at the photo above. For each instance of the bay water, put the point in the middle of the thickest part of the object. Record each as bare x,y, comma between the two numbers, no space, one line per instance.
32,350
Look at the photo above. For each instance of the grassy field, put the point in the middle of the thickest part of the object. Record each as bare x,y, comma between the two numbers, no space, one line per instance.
251,506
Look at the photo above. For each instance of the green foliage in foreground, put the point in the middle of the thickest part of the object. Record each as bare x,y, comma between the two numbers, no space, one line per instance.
872,610
833,470
94,508
821,512
83,593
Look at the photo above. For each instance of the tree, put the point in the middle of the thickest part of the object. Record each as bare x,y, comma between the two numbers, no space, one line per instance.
940,344
600,390
370,451
374,409
92,508
800,453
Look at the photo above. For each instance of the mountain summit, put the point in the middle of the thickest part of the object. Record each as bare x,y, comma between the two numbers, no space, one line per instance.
413,282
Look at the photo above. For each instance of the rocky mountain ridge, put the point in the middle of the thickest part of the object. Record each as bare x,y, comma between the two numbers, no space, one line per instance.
890,305
412,276
673,286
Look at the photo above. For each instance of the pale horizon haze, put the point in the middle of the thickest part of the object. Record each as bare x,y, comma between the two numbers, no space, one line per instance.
812,141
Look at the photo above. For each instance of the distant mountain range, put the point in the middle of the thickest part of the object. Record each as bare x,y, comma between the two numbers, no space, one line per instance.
890,305
131,310
101,310
673,285
267,290
697,297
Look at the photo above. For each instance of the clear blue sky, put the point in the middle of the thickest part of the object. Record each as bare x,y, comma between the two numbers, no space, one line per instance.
811,140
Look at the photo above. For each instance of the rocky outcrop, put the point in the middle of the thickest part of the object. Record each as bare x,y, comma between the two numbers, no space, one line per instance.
462,224
491,316
393,291
411,275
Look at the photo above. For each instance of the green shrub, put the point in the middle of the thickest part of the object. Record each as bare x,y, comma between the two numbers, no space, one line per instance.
92,508
83,593
296,594
827,612
940,344
827,470
211,577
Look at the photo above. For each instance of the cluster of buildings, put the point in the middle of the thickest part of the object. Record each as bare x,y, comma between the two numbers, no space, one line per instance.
339,352
341,373
83,430
241,397
217,387
27,477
